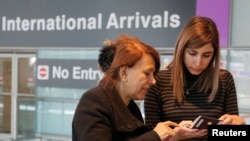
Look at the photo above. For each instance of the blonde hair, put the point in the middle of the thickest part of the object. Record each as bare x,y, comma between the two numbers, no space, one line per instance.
197,32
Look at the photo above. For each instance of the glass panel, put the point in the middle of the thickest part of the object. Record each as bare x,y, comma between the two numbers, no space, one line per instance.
55,117
68,54
57,93
240,68
26,117
25,100
26,75
56,105
5,74
224,57
5,114
5,98
240,23
165,60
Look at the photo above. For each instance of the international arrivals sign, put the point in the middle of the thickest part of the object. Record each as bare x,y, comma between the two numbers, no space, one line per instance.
95,22
67,73
86,23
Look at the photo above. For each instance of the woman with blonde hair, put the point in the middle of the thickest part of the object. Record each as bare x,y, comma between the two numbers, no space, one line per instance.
193,83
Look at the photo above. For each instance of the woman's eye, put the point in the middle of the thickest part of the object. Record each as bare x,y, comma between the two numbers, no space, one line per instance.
207,55
147,73
192,53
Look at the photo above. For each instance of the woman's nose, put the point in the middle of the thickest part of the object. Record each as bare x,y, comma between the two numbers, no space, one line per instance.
198,61
152,80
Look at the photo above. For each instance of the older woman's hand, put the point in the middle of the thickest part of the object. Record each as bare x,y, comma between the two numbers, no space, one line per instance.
164,129
183,131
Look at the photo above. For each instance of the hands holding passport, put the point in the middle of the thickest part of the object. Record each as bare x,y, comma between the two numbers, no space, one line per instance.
198,127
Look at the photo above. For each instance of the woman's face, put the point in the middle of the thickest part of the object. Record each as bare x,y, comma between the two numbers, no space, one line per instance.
139,78
197,59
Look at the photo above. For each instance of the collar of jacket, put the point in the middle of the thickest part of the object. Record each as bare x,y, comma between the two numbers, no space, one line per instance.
125,120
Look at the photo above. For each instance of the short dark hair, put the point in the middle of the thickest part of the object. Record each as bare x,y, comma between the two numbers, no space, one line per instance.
106,57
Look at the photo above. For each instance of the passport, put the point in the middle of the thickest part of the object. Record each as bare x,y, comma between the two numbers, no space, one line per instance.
202,122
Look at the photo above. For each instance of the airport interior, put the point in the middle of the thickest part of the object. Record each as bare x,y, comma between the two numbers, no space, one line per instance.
49,51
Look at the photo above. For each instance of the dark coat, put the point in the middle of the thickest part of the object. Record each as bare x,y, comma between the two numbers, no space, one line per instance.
101,115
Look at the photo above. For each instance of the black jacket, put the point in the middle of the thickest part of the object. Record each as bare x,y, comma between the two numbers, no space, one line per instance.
101,115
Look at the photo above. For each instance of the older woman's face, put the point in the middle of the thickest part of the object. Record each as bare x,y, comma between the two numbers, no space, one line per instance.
140,77
196,60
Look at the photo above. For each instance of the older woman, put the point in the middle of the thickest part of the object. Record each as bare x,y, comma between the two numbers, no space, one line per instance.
108,112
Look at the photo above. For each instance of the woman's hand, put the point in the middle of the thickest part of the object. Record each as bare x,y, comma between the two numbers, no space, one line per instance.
183,131
164,129
232,120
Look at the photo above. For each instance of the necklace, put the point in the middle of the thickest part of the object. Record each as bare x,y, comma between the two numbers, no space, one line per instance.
190,85
187,90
